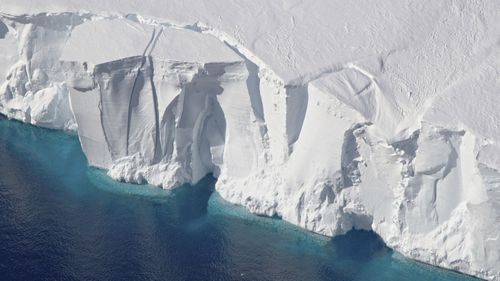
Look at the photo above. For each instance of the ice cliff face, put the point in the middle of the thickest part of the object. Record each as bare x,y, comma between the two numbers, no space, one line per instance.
33,89
384,117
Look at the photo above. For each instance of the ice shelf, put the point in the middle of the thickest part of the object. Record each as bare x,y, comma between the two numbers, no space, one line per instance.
332,115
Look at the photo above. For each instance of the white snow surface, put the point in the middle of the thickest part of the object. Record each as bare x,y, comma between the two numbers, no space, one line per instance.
332,115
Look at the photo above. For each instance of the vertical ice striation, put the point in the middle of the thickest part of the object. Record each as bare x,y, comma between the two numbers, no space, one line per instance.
161,108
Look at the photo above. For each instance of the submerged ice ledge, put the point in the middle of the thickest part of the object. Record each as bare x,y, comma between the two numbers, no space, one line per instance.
358,144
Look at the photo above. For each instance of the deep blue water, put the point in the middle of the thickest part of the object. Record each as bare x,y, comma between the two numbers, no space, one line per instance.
60,220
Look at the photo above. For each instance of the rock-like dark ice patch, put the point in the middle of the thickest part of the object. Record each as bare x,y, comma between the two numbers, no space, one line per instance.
3,30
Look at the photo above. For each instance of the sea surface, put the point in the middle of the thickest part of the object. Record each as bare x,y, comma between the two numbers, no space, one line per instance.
61,220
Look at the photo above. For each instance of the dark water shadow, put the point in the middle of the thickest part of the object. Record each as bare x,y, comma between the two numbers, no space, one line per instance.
359,245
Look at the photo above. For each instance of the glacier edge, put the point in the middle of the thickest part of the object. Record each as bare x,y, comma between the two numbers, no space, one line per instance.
326,153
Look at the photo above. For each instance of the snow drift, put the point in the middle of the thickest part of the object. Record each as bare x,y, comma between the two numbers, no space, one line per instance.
383,117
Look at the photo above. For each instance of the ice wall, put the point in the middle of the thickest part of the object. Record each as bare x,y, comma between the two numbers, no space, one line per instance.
404,142
33,88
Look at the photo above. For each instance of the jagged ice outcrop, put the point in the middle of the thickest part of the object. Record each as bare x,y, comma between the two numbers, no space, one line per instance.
384,117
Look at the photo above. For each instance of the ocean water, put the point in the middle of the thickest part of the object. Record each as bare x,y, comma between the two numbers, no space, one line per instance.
60,220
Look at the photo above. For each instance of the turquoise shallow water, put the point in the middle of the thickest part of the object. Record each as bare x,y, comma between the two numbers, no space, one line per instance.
60,220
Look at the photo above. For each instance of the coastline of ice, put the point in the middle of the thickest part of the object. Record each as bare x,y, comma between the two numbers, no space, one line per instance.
397,135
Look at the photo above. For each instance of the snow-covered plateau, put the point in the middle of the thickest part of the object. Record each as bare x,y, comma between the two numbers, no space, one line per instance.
330,114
